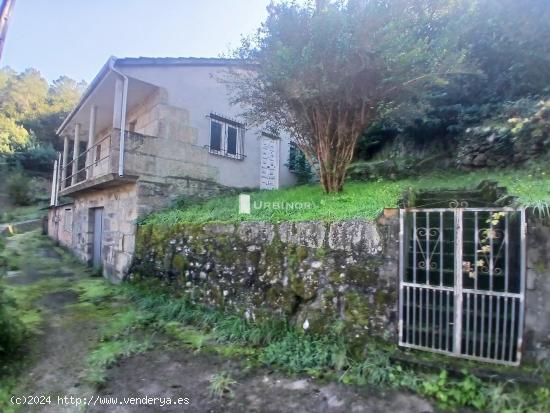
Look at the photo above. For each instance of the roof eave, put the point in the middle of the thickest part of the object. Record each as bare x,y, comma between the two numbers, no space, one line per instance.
95,82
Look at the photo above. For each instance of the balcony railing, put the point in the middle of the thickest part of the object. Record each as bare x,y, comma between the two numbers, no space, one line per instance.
92,163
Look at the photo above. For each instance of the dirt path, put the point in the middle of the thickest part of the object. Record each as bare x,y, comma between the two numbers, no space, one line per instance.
62,338
65,338
176,374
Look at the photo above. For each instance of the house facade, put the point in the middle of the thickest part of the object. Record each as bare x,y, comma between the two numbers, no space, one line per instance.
147,132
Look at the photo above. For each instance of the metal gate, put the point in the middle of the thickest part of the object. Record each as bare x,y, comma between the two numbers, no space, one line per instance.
461,287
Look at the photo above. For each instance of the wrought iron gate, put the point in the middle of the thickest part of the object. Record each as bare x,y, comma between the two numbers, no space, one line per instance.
461,289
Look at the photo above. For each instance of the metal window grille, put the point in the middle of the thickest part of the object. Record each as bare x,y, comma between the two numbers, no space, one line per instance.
461,288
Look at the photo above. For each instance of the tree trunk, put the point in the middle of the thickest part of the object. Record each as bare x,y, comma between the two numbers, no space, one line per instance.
332,171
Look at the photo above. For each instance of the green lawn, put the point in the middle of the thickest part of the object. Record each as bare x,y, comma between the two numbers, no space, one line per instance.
358,200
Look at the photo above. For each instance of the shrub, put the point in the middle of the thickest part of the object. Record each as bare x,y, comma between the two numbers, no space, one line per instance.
18,188
11,328
34,158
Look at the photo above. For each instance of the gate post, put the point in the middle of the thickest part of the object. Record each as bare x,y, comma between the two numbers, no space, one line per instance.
457,328
401,269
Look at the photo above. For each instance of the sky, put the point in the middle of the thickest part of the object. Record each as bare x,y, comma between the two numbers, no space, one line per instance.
76,37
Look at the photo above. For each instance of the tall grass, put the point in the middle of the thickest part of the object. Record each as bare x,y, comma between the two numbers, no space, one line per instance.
358,199
279,344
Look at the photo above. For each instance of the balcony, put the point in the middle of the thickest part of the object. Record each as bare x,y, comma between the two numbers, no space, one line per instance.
98,166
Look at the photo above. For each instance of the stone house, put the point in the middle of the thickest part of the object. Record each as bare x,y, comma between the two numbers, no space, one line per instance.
146,132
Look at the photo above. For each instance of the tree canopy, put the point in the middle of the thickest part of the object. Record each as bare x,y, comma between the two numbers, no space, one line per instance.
31,109
324,71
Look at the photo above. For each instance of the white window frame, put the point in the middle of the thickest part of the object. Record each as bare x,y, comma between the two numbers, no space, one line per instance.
225,125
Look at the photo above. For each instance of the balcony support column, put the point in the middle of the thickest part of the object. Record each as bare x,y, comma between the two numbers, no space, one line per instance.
54,183
91,136
76,152
64,162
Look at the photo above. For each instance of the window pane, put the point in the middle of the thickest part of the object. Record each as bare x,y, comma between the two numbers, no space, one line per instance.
216,136
231,140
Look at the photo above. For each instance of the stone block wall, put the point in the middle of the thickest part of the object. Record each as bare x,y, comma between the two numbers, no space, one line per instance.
317,272
536,338
303,271
119,224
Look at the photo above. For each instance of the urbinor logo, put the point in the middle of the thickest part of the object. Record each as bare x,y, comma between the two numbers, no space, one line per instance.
244,204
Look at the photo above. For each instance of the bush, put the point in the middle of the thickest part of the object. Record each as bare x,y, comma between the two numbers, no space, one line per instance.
34,158
11,329
18,188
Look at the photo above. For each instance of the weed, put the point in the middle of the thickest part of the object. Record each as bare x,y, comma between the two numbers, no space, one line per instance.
190,336
276,343
93,290
124,323
7,387
107,353
470,391
220,385
299,352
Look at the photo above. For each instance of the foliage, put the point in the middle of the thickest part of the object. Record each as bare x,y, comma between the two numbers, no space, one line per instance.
359,199
118,335
324,72
18,188
299,166
328,356
33,158
12,135
300,352
11,328
377,369
470,391
224,327
31,109
507,41
93,290
22,213
220,385
107,353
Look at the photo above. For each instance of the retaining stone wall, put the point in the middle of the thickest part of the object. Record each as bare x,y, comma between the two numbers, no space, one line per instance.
315,271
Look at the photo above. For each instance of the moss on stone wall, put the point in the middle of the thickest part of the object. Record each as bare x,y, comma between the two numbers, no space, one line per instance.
250,270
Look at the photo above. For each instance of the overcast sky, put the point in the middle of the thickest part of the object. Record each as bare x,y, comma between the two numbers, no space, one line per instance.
76,37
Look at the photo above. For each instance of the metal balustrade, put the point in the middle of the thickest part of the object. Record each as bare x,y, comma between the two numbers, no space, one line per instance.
96,163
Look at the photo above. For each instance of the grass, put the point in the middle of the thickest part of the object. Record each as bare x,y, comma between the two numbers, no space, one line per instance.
22,213
123,332
220,385
326,356
359,199
107,353
93,290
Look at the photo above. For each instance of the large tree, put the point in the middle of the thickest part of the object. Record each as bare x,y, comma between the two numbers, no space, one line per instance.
324,71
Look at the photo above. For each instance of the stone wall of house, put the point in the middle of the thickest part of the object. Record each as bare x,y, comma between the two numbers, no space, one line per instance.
59,229
119,223
164,153
304,271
